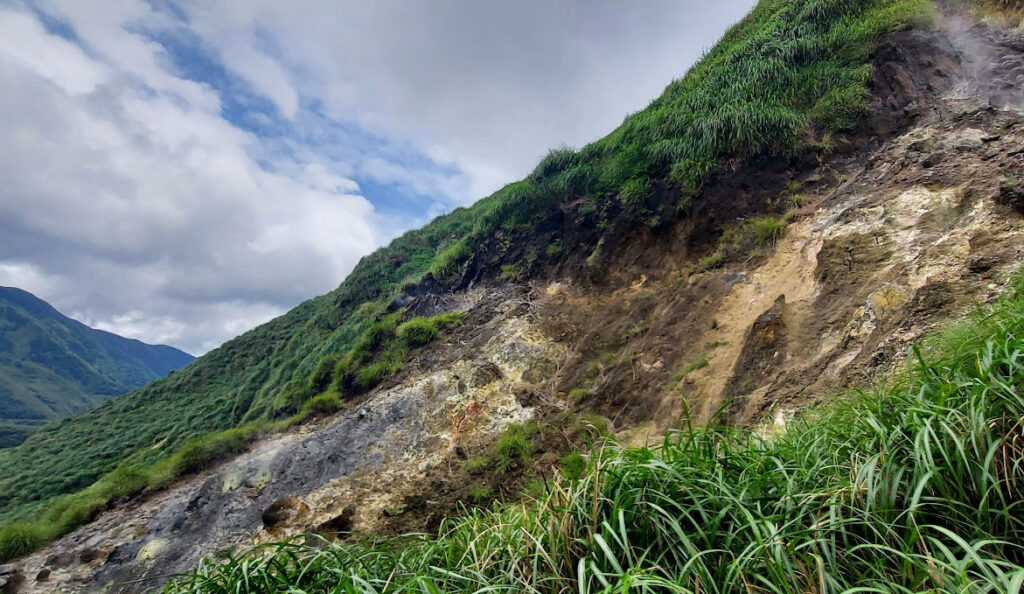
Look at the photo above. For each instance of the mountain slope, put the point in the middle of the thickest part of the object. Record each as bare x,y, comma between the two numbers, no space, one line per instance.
633,225
826,271
52,366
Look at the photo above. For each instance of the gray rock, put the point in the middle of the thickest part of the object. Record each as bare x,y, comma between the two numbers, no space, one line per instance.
968,143
998,101
7,569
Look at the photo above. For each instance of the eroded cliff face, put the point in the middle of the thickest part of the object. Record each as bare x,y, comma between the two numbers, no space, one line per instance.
909,223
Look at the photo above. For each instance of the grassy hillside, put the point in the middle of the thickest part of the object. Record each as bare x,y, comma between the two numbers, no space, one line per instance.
52,366
913,486
778,83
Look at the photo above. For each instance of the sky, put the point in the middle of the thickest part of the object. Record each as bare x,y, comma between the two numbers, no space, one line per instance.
182,171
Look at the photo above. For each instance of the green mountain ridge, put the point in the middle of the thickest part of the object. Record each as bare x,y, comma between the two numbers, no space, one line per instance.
52,366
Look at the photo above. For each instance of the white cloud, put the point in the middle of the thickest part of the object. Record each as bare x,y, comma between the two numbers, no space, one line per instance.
25,43
141,208
134,197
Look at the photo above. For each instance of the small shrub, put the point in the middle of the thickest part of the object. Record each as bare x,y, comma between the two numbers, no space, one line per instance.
290,398
531,258
74,510
591,424
554,248
512,273
124,480
476,465
633,194
323,374
711,261
369,376
19,538
512,450
699,363
381,332
578,394
692,173
797,200
323,403
199,453
447,321
827,144
595,261
418,332
447,262
556,161
409,283
573,465
767,230
480,494
841,108
684,203
535,489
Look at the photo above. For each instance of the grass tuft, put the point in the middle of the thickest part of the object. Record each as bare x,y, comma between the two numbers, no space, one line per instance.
767,230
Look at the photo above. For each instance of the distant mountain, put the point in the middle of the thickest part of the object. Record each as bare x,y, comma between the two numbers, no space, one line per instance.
52,366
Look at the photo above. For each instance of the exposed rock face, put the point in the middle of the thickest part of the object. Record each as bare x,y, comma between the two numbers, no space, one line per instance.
917,220
344,475
762,357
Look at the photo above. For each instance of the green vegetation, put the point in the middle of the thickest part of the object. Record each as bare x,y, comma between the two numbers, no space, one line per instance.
18,539
767,229
573,465
200,452
577,394
53,366
633,193
383,349
323,404
711,261
480,494
744,240
912,486
512,273
554,248
699,363
377,354
514,448
788,72
476,465
418,332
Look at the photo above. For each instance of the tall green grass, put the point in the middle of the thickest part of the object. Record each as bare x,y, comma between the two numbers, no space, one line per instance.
912,486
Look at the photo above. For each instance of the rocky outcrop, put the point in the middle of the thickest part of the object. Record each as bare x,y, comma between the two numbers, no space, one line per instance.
348,474
762,357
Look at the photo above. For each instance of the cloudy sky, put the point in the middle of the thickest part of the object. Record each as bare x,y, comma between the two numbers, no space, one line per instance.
180,172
